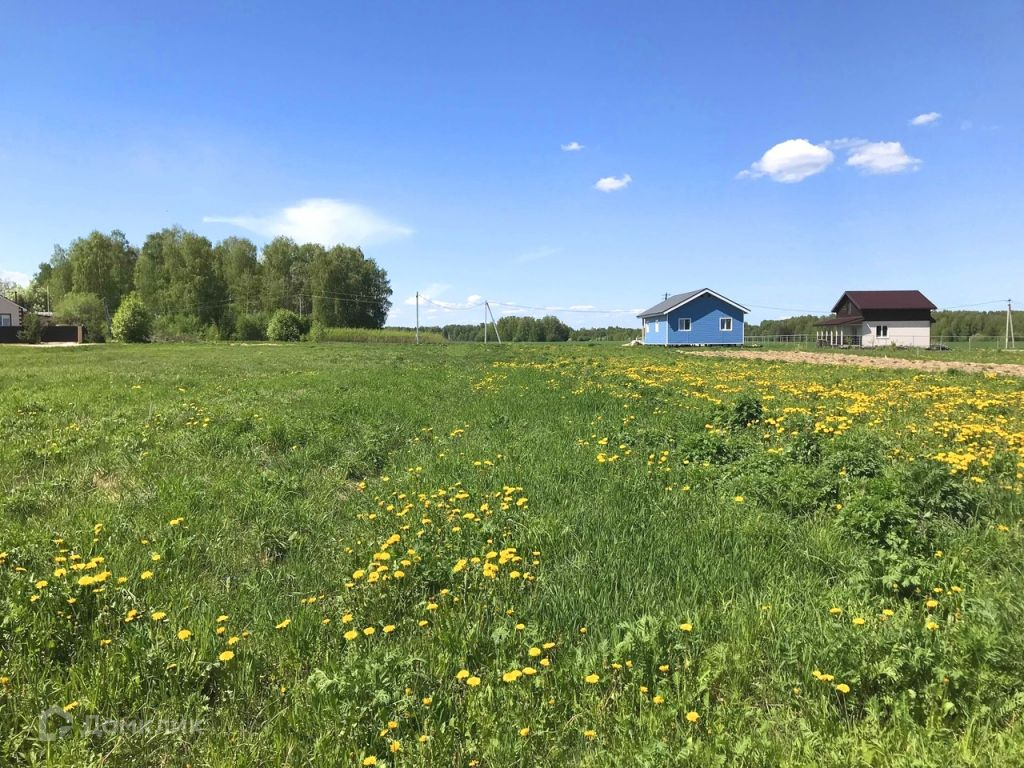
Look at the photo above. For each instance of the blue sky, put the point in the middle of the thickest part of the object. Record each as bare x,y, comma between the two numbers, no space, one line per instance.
765,150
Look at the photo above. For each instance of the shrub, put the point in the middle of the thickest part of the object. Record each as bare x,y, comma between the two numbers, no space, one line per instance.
132,323
176,328
31,329
85,309
284,325
251,328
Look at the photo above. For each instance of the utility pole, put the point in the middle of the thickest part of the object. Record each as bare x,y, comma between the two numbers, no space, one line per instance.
487,308
666,295
485,322
1009,324
417,317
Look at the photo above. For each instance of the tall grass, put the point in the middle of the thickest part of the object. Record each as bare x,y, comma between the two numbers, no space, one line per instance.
379,336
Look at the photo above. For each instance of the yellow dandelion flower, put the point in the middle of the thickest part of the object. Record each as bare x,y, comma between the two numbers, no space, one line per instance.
686,627
658,699
159,615
351,635
184,634
593,679
692,717
146,575
843,688
226,655
858,620
283,624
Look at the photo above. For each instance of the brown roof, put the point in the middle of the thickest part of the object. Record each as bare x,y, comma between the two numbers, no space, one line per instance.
842,320
886,300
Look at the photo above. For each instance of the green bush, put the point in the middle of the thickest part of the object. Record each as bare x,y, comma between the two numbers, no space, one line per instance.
284,325
251,328
132,323
85,309
31,329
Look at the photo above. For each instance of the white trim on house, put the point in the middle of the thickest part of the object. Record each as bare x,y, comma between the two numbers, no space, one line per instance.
689,324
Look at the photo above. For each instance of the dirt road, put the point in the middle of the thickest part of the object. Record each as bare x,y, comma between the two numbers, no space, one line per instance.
830,358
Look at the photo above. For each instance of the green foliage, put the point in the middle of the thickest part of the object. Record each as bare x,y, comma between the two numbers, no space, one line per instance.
251,328
746,410
284,325
31,329
85,309
132,323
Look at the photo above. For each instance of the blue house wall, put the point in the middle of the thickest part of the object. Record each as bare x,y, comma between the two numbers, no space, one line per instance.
705,313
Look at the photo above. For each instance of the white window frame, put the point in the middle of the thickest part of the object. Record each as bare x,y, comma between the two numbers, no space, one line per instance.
688,322
882,331
6,321
725,324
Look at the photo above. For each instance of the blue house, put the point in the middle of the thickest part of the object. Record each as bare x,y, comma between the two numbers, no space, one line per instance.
700,317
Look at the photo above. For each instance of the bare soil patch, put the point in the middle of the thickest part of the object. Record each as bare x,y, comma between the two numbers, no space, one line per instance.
829,358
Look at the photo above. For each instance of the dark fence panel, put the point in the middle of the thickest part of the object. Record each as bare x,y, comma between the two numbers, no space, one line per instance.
9,334
62,333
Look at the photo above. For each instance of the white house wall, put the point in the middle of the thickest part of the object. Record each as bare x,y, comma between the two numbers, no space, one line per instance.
902,333
8,307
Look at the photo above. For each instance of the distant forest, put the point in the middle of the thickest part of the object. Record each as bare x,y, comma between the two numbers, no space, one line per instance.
549,328
193,287
951,323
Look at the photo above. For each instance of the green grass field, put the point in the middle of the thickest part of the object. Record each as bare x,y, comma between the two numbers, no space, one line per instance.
453,555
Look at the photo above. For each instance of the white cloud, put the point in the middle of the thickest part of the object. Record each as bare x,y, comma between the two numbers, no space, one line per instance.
611,183
881,157
572,146
790,161
15,277
926,118
320,220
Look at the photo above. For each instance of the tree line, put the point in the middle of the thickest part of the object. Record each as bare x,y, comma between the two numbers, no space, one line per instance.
193,287
526,328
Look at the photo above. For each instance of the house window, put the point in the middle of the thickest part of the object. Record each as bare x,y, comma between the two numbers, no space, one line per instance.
882,331
725,324
684,323
5,320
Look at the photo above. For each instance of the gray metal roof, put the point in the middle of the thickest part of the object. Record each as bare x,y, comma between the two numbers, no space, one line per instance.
663,307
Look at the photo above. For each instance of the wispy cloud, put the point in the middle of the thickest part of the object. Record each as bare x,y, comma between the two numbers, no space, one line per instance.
881,157
15,277
612,183
320,220
537,254
926,119
572,146
790,161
